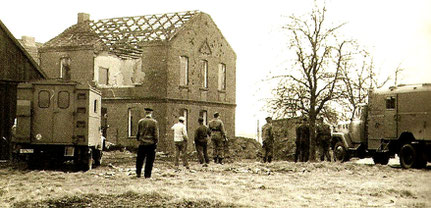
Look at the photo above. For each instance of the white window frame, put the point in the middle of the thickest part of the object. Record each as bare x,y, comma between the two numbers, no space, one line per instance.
222,76
204,73
184,70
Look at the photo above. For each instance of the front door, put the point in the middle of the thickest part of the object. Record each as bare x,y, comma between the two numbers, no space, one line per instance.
391,117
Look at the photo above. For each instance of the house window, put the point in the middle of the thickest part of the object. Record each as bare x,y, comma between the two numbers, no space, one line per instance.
134,115
222,77
184,113
204,73
390,103
65,68
204,114
184,70
103,76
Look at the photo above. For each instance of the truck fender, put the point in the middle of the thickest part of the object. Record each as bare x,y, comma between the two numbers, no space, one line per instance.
339,137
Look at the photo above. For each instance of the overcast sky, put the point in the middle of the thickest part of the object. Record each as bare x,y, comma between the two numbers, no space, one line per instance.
396,32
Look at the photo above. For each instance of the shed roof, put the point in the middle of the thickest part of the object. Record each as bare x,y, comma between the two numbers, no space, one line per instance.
124,36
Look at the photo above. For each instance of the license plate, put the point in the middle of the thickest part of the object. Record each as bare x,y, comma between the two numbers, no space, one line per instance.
26,151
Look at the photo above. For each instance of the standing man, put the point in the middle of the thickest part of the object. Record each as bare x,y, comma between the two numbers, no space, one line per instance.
302,141
218,135
180,139
324,138
268,140
201,135
148,136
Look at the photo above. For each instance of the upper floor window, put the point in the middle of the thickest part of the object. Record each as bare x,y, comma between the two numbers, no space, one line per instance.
63,99
65,68
204,73
103,76
222,77
184,70
390,103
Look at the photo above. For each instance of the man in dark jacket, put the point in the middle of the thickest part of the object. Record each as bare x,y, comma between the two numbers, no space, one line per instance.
148,136
302,142
323,139
268,140
201,135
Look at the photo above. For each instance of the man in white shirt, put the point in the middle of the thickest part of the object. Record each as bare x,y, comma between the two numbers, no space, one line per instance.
180,139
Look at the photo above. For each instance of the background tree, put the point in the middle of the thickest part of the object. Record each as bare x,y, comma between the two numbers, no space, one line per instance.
314,78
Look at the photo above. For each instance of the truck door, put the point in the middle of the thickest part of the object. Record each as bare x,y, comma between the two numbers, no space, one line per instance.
413,111
63,114
53,114
391,116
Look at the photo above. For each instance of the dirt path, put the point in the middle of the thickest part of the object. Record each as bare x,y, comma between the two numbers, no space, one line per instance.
243,183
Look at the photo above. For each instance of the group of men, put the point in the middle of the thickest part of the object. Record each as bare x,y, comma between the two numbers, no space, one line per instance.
323,137
302,142
148,137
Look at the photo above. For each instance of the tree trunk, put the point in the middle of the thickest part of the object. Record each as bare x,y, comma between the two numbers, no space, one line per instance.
312,152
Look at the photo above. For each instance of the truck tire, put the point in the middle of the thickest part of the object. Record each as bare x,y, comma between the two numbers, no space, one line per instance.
340,152
408,156
381,158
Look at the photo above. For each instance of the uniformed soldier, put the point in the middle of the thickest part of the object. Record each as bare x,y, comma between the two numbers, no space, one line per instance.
268,140
323,139
148,136
302,141
218,136
201,137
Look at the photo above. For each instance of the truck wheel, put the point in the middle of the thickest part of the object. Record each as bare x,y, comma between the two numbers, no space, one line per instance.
340,153
408,156
381,158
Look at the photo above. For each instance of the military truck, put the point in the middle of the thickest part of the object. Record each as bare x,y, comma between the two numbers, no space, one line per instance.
395,121
58,121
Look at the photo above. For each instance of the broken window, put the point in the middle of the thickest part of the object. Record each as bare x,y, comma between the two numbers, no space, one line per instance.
204,73
222,77
103,76
390,103
184,70
65,68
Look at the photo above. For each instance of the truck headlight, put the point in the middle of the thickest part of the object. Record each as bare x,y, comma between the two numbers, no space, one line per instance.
38,137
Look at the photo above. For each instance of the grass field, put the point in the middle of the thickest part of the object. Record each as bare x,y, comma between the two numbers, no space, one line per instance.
244,183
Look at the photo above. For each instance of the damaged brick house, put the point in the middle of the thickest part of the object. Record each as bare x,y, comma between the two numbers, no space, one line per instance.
179,64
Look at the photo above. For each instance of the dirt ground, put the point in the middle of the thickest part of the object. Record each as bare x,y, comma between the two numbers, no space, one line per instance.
245,183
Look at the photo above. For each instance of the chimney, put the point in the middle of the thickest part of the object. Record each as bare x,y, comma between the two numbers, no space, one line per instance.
82,17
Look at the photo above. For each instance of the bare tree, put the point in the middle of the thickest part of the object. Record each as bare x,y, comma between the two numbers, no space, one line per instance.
314,78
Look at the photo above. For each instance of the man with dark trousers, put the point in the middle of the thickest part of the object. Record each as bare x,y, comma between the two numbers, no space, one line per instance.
324,139
218,136
268,140
201,137
302,142
148,136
